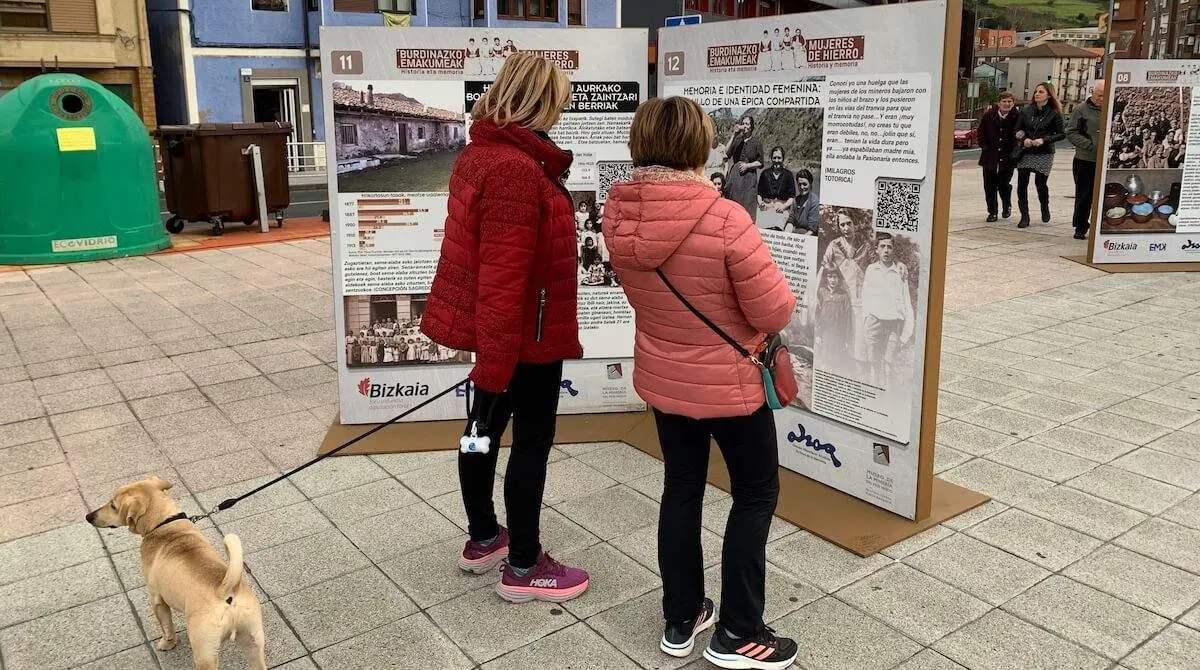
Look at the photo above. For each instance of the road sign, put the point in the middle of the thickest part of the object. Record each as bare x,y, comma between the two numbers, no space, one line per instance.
685,20
973,90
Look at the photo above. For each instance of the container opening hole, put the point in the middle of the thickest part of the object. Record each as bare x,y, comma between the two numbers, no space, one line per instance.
72,104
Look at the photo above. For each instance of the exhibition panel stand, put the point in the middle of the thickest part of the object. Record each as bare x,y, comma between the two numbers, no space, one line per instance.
862,114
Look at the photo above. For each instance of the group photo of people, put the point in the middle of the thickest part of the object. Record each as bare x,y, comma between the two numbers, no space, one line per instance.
863,314
592,256
769,161
485,57
385,330
782,50
1149,127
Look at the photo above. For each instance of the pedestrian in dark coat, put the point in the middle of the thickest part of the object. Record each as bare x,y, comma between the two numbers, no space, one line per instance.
997,139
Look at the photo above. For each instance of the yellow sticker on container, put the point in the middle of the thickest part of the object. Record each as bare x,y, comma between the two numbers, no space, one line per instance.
77,139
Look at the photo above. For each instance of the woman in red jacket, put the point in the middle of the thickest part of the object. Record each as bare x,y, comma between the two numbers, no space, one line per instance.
506,290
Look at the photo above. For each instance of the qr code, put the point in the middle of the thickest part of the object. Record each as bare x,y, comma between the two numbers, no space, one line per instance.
609,173
897,205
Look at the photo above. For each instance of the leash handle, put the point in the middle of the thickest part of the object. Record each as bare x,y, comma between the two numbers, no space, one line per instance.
230,502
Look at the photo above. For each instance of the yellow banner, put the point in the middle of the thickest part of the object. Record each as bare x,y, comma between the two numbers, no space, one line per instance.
393,20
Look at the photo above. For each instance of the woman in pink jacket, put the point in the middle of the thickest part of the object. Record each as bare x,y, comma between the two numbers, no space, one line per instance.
671,218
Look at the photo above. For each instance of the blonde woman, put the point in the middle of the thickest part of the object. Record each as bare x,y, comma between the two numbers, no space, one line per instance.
506,290
670,225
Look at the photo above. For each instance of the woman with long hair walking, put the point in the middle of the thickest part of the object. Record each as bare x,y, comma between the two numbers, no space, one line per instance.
1039,127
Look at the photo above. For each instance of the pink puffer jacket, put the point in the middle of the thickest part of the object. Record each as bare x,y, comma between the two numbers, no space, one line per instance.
712,253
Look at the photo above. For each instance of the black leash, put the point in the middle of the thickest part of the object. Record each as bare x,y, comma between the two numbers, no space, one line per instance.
230,502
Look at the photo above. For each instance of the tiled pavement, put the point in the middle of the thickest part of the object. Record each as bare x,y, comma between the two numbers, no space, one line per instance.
1071,396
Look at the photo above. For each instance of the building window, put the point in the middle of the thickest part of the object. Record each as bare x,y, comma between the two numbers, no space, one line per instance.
420,132
366,6
575,13
269,5
480,9
347,133
122,91
24,15
532,10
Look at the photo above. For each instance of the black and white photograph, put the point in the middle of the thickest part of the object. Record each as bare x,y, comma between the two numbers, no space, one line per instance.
1149,127
385,330
864,312
769,161
397,136
595,270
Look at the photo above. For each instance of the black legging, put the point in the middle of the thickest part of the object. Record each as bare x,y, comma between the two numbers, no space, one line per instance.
1041,181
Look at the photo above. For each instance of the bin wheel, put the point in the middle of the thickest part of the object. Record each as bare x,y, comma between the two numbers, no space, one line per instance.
218,226
175,224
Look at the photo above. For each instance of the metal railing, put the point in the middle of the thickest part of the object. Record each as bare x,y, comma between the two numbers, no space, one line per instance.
306,157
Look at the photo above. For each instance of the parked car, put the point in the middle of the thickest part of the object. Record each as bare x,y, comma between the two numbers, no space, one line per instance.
966,133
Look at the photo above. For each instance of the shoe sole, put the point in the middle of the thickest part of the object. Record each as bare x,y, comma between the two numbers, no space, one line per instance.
524,594
739,662
681,651
485,564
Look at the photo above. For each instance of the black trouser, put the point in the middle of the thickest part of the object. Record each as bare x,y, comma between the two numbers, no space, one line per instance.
749,446
532,402
997,186
1085,182
1041,181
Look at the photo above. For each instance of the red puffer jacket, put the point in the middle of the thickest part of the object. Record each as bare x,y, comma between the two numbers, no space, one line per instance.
506,285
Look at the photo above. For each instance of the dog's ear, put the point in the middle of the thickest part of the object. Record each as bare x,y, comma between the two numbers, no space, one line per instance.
131,505
162,484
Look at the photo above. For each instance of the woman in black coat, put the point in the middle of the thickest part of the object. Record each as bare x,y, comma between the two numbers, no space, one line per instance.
1039,127
996,143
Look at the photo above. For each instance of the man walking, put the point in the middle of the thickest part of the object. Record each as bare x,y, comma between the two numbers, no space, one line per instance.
997,139
1081,132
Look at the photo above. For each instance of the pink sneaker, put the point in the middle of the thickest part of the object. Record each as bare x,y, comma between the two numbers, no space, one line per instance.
480,559
548,580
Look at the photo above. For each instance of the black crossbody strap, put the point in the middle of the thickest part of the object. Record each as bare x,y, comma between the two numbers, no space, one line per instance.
716,329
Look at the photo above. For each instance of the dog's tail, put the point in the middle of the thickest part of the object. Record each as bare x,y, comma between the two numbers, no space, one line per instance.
233,573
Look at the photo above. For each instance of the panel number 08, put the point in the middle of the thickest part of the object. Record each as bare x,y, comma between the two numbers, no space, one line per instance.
347,62
673,63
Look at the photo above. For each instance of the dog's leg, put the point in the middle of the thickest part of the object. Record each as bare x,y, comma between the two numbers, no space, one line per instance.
252,640
206,645
162,612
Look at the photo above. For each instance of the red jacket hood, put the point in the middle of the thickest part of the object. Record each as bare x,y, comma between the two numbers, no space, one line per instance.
648,218
556,161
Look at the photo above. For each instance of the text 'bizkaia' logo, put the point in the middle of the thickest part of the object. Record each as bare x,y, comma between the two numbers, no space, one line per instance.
369,390
1110,245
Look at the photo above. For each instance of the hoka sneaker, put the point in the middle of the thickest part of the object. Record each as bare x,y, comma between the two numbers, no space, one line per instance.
678,640
480,558
547,580
763,651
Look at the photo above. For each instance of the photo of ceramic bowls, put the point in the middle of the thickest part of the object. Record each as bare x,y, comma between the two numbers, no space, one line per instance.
1114,196
1115,215
1173,220
1165,211
1137,199
1142,212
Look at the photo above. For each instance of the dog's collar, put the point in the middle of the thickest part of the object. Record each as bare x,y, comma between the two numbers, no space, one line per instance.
171,519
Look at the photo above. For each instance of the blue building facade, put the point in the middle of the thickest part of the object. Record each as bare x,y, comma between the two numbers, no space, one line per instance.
229,61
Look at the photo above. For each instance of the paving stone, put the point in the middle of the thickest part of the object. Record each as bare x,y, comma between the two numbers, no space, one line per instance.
570,479
981,389
35,516
1179,443
430,575
611,512
52,592
716,518
71,637
486,627
1084,444
971,439
635,627
1125,429
31,456
278,526
955,406
280,494
299,564
184,423
917,542
137,658
399,531
25,432
1129,489
350,505
998,481
820,631
115,461
929,659
413,642
1186,513
344,607
642,546
1082,512
920,606
622,462
1169,468
1036,540
224,372
1175,647
148,387
1041,461
78,399
282,646
1086,616
1016,424
169,403
798,552
576,646
1155,413
613,579
49,552
36,483
1143,581
398,464
1164,541
225,469
1001,641
1049,407
337,474
84,420
435,480
239,389
945,458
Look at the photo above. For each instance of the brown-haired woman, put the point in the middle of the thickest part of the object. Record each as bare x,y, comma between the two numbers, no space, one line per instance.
506,290
670,224
1039,126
